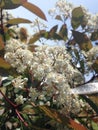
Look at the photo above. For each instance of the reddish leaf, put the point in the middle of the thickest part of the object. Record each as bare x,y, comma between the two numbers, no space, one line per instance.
36,10
76,125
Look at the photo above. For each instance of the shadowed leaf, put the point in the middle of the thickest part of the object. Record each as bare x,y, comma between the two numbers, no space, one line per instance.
82,39
37,36
34,9
4,64
54,115
1,43
58,17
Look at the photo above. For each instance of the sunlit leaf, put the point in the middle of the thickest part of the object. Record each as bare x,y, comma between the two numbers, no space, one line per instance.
78,18
94,125
34,9
18,21
76,125
4,64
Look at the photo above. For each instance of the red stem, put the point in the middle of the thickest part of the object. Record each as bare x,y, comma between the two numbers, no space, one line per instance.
20,117
11,103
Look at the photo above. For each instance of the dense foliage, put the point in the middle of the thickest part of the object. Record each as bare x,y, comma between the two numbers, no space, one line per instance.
45,87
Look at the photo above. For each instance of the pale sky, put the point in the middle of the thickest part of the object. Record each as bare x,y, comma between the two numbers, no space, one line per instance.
45,5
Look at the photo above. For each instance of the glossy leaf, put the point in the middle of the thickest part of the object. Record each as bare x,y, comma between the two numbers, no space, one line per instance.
4,64
34,9
78,18
18,21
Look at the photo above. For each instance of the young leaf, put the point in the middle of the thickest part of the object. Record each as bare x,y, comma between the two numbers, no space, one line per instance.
34,9
18,21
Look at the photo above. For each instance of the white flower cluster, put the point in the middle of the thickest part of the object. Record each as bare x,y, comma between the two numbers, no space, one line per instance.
18,55
92,20
62,8
19,82
50,65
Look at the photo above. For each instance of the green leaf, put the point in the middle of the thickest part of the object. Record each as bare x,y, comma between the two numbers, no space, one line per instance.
34,9
18,21
94,126
18,1
78,18
8,4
